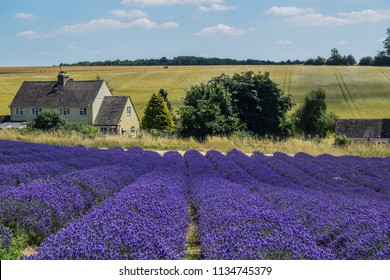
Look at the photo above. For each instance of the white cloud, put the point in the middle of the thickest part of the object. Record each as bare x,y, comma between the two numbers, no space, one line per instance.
25,16
343,42
283,42
288,11
29,34
129,14
318,20
308,17
93,26
216,7
169,2
106,24
367,15
221,30
44,53
147,23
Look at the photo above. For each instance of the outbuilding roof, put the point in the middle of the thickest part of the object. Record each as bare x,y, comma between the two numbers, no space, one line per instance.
363,128
111,110
54,95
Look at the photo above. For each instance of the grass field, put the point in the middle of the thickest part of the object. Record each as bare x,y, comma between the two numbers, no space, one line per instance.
353,92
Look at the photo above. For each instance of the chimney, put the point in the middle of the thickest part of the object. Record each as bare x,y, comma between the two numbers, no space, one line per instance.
62,78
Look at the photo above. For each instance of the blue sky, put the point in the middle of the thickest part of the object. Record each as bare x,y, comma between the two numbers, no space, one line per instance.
48,32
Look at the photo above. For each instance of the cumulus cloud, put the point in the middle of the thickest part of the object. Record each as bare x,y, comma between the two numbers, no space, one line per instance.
129,14
221,30
29,34
216,7
288,11
147,23
93,26
25,16
169,2
102,24
308,17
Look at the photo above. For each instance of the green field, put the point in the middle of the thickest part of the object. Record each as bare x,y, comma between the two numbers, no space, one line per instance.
353,91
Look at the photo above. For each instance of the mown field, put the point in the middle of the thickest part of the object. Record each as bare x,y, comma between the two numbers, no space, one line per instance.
67,203
353,92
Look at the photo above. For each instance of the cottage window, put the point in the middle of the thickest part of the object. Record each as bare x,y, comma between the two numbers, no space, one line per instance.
19,111
103,130
129,110
35,111
83,111
132,130
65,111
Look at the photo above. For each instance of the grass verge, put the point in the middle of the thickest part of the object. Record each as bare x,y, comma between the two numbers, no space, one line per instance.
246,144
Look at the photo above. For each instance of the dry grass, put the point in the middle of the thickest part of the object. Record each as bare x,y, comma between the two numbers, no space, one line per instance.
352,91
224,144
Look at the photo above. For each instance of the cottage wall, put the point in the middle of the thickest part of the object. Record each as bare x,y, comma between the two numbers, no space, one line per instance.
73,117
129,121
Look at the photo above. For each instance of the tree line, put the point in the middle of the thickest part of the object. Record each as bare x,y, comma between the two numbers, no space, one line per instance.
381,59
249,103
183,61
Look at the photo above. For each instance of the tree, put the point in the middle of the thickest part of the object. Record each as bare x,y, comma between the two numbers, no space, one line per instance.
208,110
386,42
157,115
259,102
335,58
164,94
47,120
316,61
366,61
311,118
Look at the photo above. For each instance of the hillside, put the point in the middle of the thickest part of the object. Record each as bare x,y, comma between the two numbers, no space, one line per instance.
353,91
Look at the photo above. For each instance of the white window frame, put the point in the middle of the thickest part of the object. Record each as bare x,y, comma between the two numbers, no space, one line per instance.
19,112
65,112
129,110
35,111
83,111
132,130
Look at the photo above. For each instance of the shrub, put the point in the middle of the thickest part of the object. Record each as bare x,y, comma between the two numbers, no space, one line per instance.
47,120
342,140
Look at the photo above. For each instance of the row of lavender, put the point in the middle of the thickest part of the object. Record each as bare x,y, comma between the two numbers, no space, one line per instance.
339,219
146,220
27,162
40,207
257,207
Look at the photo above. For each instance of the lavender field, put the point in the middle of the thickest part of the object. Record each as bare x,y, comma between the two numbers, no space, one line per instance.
65,203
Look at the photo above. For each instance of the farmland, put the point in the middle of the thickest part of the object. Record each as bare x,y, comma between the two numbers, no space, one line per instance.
85,203
353,92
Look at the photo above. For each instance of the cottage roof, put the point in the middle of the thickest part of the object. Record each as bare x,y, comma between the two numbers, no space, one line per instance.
364,128
111,110
54,95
